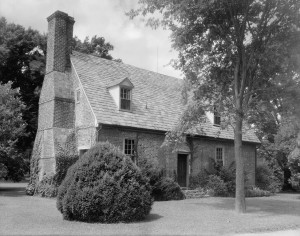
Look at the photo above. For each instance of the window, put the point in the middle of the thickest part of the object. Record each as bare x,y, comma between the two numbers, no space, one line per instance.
129,148
77,95
82,151
217,117
219,156
125,99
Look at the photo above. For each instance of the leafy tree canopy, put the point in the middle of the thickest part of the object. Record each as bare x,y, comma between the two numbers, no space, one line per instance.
12,127
237,57
96,46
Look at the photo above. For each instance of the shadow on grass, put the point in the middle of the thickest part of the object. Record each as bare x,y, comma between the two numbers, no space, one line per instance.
265,205
12,191
152,217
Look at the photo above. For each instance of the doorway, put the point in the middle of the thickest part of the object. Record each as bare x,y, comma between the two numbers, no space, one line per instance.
182,169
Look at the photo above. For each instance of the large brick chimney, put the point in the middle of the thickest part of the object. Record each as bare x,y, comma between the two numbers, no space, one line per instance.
56,104
60,33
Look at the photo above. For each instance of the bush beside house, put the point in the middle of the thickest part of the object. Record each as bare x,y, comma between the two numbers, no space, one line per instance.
104,185
162,187
221,182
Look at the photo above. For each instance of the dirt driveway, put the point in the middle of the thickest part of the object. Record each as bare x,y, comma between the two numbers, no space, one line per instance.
24,215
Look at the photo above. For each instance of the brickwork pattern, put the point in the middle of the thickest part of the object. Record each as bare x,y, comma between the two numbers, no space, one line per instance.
150,146
83,114
64,114
60,31
45,117
86,137
56,104
204,152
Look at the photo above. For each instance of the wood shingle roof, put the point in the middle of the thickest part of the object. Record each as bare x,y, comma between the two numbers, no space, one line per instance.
156,98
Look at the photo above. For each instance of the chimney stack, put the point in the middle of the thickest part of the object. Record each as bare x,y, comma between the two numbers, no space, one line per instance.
60,34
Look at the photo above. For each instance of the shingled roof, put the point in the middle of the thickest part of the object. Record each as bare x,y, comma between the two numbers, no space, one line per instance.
156,98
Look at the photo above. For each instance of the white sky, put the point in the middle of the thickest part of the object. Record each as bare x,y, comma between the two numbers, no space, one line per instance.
133,42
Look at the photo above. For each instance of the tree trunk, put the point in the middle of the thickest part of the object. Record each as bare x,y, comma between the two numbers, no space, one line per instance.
240,204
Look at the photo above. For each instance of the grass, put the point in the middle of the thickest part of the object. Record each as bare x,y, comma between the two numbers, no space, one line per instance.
21,214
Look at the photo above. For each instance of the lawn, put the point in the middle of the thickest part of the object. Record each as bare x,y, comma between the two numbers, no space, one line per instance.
21,214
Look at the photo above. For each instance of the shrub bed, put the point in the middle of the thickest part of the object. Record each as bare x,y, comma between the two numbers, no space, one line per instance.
257,192
162,187
46,187
220,182
266,180
105,186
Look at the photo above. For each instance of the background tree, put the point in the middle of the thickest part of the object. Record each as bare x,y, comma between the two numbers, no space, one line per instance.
22,61
96,46
12,128
231,53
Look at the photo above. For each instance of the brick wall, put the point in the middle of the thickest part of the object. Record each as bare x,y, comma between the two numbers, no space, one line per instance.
149,145
84,118
60,33
56,105
204,151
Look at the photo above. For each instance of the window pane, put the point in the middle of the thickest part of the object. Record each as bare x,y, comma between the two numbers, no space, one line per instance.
129,147
125,104
219,156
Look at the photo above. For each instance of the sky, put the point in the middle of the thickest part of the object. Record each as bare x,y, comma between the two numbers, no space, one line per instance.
133,42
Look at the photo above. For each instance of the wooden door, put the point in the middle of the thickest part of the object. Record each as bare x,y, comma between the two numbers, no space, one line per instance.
182,169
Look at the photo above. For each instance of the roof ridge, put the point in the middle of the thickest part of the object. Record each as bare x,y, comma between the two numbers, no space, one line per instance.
114,63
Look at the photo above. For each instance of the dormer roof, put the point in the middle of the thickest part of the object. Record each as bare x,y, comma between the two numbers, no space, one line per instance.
124,82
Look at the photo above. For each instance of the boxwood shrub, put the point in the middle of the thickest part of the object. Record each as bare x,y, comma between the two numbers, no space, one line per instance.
167,189
163,188
104,185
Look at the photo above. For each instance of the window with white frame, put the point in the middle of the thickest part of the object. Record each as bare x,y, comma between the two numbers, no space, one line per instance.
77,95
129,148
219,156
125,96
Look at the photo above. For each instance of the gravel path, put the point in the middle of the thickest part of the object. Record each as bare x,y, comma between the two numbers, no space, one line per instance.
21,214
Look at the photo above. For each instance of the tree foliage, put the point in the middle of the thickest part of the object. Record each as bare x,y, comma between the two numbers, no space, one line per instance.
12,127
236,55
22,61
96,46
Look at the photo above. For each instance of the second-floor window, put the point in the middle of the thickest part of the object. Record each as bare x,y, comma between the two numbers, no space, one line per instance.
217,117
125,99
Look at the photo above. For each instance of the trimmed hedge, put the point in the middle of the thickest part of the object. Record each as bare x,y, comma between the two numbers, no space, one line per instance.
167,189
104,185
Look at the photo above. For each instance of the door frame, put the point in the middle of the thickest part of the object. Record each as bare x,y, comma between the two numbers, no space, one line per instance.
188,166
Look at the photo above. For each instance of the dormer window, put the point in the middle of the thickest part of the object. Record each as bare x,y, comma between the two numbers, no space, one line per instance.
217,118
121,91
125,96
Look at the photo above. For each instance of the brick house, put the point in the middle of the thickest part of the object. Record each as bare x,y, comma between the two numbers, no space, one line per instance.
103,100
